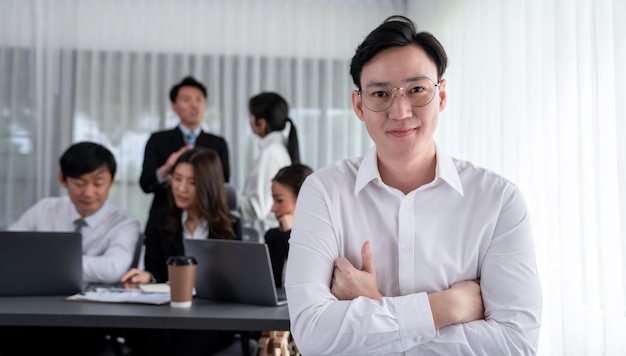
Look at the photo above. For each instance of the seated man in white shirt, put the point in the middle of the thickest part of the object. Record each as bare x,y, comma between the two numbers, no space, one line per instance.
110,234
110,237
406,250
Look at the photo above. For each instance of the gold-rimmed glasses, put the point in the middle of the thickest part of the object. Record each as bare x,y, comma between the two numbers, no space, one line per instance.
418,92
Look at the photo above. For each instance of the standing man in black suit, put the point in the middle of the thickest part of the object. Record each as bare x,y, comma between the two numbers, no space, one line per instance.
164,147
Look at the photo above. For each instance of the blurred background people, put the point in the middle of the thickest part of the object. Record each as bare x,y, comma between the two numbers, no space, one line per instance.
285,188
197,209
109,240
110,233
164,147
269,115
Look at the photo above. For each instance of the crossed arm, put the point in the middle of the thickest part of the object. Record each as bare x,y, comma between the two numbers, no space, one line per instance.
461,303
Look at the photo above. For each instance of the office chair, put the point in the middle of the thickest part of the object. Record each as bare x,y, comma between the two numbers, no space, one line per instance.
138,250
232,197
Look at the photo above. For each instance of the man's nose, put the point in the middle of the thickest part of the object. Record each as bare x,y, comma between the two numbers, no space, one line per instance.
89,190
400,108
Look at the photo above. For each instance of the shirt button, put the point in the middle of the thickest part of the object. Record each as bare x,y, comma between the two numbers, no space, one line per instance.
406,249
419,339
407,205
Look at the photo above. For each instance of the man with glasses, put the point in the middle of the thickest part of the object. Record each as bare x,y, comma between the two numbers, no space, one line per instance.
406,249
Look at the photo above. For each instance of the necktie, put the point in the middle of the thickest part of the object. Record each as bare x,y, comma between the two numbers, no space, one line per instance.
190,139
79,224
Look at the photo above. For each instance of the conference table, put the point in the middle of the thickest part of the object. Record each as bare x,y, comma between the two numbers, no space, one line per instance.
202,315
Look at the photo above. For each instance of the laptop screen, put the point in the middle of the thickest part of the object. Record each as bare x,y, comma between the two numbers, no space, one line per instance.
233,271
40,263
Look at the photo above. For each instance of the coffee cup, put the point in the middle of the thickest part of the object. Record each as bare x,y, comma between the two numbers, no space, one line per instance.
182,274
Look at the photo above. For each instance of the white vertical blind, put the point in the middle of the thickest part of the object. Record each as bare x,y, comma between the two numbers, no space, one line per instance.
535,92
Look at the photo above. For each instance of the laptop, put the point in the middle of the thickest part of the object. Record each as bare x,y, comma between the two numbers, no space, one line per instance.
234,271
40,263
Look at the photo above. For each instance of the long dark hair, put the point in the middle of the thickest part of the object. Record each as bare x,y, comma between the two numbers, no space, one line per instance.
274,109
211,194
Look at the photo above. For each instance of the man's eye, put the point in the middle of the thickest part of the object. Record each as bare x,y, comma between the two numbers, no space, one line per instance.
380,94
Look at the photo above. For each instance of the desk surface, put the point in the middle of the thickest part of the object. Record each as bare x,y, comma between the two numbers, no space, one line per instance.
203,314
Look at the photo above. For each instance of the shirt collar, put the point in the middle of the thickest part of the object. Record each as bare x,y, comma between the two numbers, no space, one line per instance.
271,139
95,218
186,131
202,231
368,170
445,170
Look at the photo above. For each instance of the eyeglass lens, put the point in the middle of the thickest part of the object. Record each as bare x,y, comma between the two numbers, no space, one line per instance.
418,92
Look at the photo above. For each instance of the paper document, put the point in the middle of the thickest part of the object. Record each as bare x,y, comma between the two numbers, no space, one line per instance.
155,287
122,295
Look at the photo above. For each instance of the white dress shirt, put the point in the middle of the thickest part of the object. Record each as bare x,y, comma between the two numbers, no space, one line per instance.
256,198
200,233
109,239
190,136
468,223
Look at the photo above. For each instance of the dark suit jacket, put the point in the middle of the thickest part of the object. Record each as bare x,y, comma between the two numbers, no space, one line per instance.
159,147
160,246
278,246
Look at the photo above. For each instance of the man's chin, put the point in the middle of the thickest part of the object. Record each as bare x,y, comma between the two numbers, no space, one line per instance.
192,121
87,210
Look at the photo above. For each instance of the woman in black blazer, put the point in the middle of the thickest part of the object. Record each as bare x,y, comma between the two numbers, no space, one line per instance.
198,209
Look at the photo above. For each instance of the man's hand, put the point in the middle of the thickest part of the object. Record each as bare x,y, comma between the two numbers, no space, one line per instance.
164,170
135,277
461,303
349,283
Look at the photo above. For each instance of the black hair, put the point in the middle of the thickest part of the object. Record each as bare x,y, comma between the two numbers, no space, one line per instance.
188,81
293,176
274,109
397,31
85,157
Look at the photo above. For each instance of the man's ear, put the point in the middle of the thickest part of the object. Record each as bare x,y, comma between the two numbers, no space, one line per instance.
173,107
62,180
443,97
357,104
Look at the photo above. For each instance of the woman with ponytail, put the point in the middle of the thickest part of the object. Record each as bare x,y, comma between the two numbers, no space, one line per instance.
269,115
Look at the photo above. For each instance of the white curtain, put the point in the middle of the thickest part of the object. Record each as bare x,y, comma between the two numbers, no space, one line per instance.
536,92
101,70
